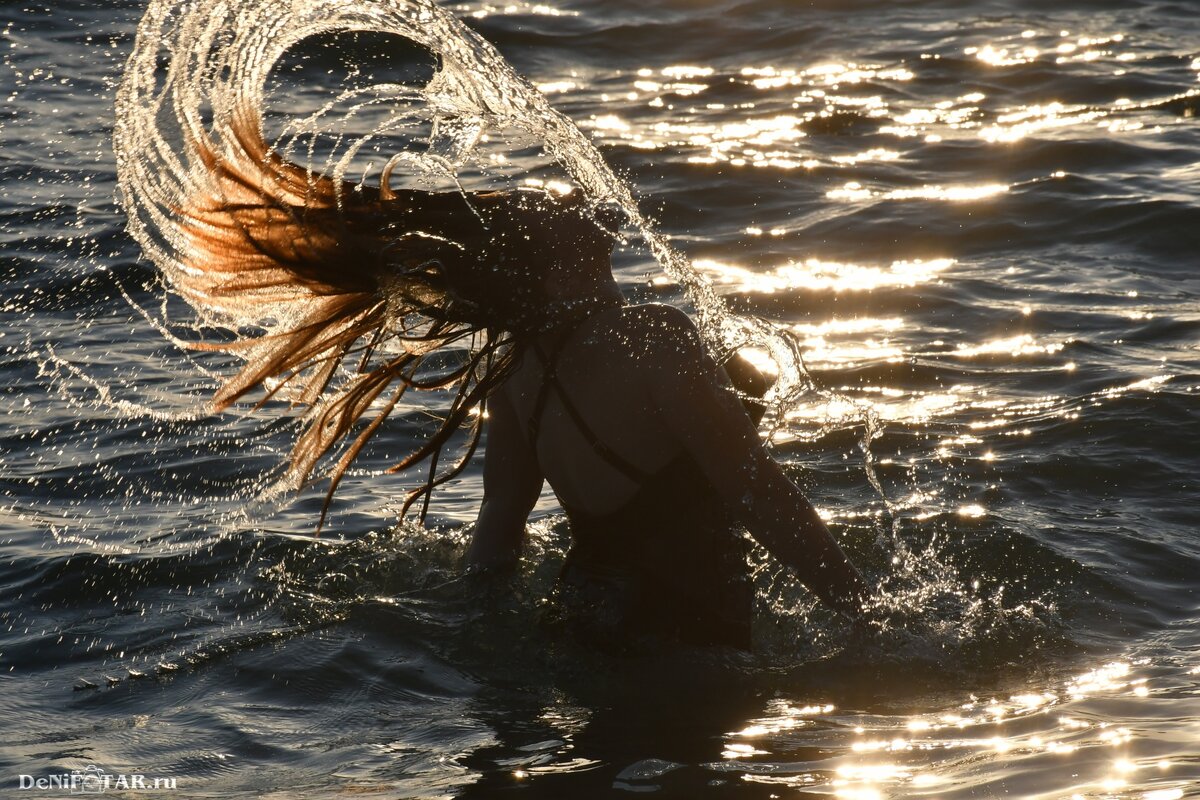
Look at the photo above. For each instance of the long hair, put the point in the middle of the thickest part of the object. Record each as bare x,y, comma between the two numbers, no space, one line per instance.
355,271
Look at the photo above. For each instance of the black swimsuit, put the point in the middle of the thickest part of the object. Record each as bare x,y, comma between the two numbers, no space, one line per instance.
669,565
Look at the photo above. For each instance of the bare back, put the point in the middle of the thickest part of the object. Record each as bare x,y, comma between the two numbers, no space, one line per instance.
598,366
640,379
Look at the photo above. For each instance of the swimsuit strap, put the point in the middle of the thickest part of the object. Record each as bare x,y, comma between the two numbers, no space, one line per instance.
550,381
539,404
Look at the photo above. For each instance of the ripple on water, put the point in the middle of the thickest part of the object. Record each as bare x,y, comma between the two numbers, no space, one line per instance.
978,223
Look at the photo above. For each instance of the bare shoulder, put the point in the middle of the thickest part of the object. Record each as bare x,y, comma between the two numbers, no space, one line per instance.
658,315
658,324
664,332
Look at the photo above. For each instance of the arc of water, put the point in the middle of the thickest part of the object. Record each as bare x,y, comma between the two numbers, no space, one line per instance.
221,53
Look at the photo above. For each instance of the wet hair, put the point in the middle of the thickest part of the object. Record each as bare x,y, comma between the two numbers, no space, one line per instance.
384,277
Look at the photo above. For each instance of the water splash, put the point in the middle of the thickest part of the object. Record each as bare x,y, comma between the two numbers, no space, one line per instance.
215,86
221,56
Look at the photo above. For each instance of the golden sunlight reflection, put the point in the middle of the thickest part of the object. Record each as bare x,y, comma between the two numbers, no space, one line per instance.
1022,345
760,141
684,71
782,716
824,95
1145,384
816,274
831,74
1021,123
901,406
1069,735
848,343
557,87
1163,794
484,10
853,190
1002,56
1019,53
838,326
1106,678
832,96
742,751
874,154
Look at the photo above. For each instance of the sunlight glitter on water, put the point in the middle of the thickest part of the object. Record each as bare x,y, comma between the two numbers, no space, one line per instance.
874,154
740,142
1024,122
1002,56
843,326
1047,743
828,74
854,191
899,406
484,10
735,142
1016,346
824,104
818,274
1071,743
992,416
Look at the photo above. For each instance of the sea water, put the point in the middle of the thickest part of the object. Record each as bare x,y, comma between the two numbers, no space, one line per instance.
971,230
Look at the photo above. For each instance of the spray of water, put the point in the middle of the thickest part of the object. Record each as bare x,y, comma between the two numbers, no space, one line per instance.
197,80
220,57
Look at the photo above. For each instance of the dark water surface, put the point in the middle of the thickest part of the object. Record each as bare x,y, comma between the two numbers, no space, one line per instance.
982,221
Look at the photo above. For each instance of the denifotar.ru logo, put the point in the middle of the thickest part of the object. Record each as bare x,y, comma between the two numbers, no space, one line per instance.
94,780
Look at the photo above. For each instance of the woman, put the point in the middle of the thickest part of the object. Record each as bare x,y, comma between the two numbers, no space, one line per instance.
652,455
618,407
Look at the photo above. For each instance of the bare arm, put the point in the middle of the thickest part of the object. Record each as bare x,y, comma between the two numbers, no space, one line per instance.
512,481
711,424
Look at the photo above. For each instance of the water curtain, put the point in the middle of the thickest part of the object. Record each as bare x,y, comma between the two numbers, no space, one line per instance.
194,93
